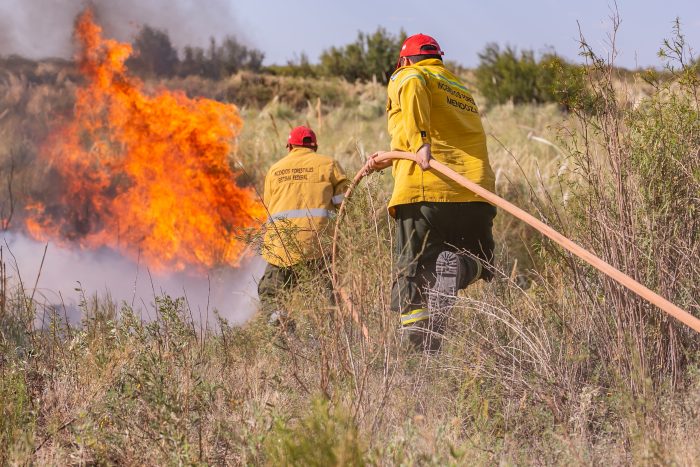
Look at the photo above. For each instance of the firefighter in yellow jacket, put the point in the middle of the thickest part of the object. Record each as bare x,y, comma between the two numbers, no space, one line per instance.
302,192
443,231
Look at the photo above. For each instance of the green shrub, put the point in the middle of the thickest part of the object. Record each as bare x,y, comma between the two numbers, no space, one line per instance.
637,208
300,68
325,437
371,56
503,75
506,75
220,60
17,419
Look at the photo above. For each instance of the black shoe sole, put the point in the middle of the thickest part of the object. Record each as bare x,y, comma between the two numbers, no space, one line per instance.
448,272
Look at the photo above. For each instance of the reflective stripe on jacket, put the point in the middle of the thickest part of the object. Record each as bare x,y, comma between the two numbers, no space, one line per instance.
302,191
428,104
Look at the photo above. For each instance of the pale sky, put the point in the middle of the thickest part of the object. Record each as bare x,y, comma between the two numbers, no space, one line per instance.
285,28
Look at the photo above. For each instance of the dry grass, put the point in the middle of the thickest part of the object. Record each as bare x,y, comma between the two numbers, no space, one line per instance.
548,364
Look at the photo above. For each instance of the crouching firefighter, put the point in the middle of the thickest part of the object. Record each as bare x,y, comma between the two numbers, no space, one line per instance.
443,232
302,192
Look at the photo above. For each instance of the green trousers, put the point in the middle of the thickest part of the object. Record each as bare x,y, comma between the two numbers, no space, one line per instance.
277,281
425,229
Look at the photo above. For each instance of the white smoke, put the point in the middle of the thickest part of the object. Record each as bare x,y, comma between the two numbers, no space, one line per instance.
43,28
68,275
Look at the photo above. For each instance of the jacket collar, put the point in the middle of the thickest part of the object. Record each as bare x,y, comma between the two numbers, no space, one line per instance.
300,151
429,62
426,62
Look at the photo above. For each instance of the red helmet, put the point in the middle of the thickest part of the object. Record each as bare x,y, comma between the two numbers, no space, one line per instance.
420,44
302,136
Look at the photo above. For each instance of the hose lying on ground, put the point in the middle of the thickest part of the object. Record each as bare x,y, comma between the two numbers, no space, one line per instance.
623,279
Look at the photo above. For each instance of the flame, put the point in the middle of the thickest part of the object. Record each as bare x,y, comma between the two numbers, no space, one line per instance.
145,175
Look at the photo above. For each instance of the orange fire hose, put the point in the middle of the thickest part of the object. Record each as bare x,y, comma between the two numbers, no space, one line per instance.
623,279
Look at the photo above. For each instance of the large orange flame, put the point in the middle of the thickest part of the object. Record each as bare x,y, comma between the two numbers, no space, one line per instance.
147,175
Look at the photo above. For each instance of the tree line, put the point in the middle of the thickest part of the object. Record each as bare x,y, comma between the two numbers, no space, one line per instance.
155,56
503,74
370,56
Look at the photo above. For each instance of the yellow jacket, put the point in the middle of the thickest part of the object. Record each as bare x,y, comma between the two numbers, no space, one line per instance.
428,104
302,191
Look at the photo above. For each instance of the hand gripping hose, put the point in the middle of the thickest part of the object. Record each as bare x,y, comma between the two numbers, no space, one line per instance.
623,279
